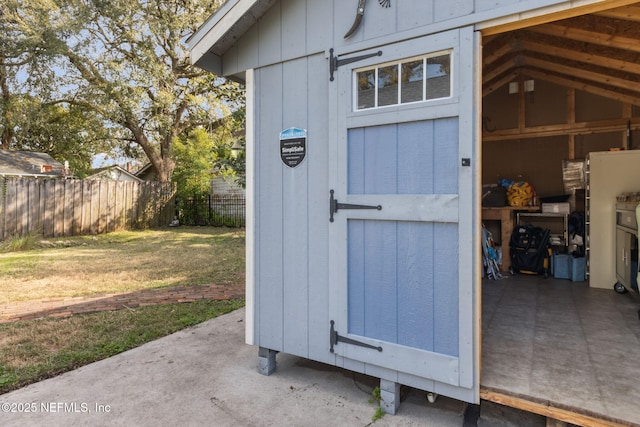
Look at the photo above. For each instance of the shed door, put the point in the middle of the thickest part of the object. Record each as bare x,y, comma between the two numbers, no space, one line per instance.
403,277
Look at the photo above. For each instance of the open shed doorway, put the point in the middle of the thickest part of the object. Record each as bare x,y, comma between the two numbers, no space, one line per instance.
555,90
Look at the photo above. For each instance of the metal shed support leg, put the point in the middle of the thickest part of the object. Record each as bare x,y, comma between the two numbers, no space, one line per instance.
389,396
266,361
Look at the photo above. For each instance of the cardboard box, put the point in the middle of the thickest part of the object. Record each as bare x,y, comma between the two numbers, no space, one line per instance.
562,208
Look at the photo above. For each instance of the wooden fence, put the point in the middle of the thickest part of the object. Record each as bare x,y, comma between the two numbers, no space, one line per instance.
55,208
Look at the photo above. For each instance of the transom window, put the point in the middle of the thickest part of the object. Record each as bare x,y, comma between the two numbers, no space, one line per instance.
411,80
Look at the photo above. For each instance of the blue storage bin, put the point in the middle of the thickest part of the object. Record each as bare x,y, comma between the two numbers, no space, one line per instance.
577,268
561,266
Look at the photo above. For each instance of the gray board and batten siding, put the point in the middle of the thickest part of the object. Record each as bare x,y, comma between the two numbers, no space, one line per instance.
249,34
297,264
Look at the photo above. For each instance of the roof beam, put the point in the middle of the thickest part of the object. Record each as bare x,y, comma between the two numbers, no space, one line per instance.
588,58
577,34
582,128
498,53
627,13
490,88
584,86
502,69
578,73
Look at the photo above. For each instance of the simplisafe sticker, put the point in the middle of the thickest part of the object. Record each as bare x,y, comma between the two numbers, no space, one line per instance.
293,146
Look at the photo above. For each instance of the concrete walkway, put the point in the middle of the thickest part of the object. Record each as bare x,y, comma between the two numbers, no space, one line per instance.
207,376
64,307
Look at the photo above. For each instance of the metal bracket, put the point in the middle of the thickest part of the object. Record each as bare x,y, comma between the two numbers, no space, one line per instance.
334,206
334,62
334,339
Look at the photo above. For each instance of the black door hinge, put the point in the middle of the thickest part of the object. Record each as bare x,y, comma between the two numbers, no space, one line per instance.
334,206
334,62
334,339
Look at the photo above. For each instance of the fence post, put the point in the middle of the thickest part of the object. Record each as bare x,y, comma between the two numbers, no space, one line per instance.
3,197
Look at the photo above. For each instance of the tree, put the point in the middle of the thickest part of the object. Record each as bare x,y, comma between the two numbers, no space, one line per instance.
21,46
126,62
205,153
65,132
195,155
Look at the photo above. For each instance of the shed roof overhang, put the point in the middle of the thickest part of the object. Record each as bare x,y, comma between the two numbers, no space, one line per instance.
222,30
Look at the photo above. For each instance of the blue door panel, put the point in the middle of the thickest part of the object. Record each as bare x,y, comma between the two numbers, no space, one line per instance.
356,161
405,158
415,157
446,156
415,285
446,289
402,275
401,285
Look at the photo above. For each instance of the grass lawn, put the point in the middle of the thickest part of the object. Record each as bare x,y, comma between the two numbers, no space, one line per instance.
33,350
121,262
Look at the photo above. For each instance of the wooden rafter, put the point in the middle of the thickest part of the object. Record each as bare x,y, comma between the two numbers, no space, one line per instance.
615,41
585,57
627,13
497,84
583,128
519,22
497,54
505,68
597,53
603,79
584,86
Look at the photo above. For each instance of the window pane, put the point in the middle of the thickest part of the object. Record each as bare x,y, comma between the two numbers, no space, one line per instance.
438,77
388,85
366,89
412,79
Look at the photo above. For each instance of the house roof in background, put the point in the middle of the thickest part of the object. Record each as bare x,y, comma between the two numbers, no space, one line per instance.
113,172
29,163
146,172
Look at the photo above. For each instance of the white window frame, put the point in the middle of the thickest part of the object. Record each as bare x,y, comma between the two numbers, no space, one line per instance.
398,64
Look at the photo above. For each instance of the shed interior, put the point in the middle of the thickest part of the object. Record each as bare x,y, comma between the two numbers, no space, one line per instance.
557,91
582,94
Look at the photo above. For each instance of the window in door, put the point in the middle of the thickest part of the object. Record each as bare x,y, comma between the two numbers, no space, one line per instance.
420,79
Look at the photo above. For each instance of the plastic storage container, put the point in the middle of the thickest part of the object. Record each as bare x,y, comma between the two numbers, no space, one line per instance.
561,266
577,267
566,266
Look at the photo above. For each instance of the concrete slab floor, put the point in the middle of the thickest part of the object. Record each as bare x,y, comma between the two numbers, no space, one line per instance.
206,375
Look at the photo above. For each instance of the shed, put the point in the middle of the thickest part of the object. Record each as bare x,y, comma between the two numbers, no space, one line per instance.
365,131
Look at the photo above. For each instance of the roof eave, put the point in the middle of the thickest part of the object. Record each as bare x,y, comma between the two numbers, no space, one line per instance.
222,30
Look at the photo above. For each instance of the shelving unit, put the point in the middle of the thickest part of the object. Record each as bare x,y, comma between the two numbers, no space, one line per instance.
557,223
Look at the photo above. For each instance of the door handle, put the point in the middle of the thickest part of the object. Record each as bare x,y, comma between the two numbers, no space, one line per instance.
334,206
